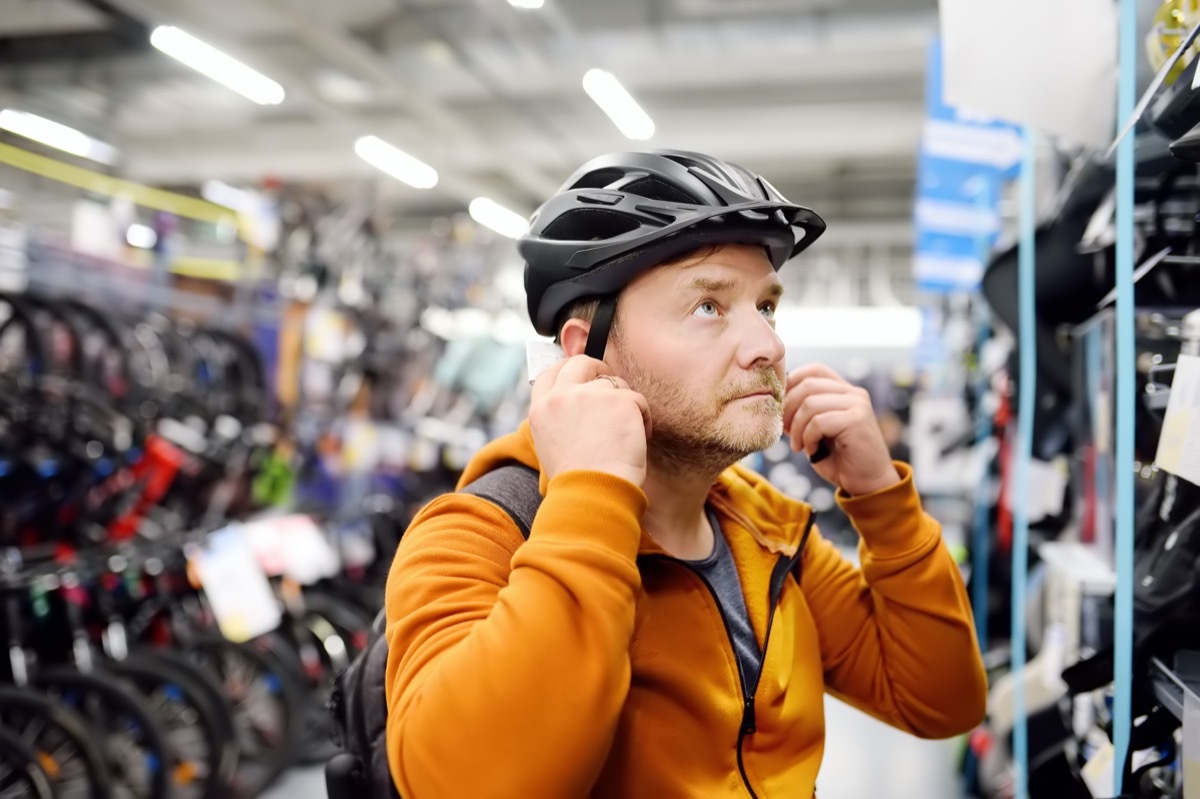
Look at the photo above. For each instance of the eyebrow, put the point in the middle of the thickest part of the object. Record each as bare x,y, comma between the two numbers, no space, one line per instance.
704,284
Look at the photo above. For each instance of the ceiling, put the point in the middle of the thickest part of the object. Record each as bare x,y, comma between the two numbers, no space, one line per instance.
824,97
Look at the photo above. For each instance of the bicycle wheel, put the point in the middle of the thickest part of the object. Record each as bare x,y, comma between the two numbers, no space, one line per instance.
268,705
192,724
63,742
352,622
222,709
305,659
335,632
21,776
134,744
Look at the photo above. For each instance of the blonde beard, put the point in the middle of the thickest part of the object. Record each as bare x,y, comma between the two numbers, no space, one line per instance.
695,435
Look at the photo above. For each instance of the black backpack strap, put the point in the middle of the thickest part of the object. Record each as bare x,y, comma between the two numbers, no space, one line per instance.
514,488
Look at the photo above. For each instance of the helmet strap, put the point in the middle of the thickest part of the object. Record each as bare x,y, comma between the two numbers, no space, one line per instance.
601,326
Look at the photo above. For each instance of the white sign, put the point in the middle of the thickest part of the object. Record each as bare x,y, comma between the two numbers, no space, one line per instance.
1179,443
236,587
1061,84
291,546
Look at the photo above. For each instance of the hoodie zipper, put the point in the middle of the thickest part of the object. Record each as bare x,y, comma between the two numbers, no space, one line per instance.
779,574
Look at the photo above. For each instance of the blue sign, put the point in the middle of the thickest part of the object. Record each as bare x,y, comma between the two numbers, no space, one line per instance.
963,161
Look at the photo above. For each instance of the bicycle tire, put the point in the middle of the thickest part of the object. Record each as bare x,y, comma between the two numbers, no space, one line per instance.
191,723
136,748
21,775
211,690
350,620
314,740
62,740
268,704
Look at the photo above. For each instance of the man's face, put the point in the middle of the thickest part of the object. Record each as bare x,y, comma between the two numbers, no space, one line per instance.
698,340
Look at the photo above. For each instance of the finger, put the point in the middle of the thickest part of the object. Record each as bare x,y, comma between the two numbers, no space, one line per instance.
825,426
582,369
813,386
546,380
644,407
802,373
603,380
815,406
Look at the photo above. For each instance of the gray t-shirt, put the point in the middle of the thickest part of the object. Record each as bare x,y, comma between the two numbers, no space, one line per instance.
721,573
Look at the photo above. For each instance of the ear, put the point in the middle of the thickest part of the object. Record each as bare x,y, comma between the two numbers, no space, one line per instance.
574,337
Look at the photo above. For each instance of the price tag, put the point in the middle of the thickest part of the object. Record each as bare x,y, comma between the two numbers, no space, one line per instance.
1097,773
291,546
1179,443
1102,422
1191,745
1047,489
236,587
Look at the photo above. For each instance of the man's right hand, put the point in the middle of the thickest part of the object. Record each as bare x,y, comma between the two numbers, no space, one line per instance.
585,417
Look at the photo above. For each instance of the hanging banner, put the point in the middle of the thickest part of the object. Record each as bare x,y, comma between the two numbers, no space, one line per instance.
961,166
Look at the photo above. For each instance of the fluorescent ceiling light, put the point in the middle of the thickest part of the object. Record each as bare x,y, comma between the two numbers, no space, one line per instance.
526,3
608,93
209,61
397,163
221,193
141,236
60,137
495,216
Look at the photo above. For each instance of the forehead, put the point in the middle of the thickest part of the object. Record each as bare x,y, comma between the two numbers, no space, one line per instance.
743,266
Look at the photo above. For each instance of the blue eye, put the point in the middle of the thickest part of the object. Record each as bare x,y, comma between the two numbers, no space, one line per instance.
768,310
708,309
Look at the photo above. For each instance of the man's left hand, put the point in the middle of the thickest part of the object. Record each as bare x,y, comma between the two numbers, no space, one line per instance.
820,404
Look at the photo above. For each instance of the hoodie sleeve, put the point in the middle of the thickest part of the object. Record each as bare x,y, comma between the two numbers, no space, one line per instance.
897,636
508,661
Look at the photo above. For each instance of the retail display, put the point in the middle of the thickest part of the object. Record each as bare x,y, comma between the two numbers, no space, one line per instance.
1068,682
246,336
131,456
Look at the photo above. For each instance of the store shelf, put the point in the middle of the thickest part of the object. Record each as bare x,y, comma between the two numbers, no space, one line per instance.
1172,685
1082,564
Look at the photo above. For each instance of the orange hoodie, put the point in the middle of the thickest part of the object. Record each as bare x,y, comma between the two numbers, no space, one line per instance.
584,663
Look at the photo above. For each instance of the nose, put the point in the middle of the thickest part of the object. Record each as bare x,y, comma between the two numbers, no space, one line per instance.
758,343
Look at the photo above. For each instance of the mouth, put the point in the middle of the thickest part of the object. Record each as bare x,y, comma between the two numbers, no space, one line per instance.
759,395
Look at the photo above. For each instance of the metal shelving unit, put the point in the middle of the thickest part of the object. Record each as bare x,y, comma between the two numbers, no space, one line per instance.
1173,684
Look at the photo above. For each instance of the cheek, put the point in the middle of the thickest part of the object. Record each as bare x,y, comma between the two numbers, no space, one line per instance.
672,391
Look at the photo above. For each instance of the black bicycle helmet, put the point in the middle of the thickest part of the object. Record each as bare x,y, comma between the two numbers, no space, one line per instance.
623,213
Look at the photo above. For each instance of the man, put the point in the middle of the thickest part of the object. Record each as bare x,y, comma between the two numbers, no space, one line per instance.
672,622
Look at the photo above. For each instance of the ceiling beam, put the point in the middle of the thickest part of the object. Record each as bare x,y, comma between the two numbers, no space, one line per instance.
344,125
328,38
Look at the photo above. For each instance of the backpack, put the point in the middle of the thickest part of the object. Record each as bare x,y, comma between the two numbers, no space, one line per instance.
358,703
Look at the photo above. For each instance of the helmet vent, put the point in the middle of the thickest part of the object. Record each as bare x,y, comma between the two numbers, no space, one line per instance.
590,224
600,179
655,189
